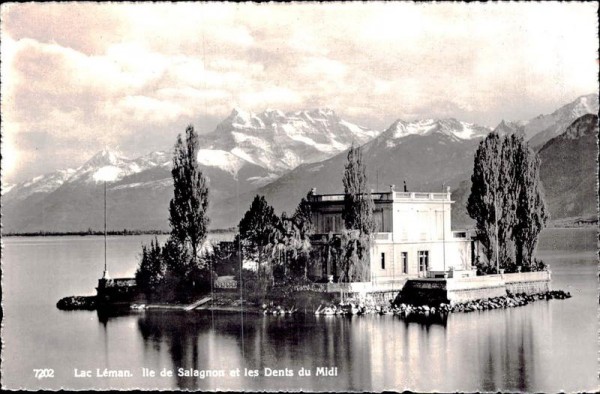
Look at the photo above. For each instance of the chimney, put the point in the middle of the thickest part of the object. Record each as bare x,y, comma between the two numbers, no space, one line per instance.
392,188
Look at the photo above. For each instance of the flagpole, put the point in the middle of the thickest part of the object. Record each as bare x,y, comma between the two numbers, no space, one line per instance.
444,227
105,274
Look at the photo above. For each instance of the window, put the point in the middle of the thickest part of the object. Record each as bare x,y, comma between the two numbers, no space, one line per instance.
332,223
382,261
423,260
329,223
404,258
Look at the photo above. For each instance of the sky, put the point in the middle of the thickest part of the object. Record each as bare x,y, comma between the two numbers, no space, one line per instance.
80,77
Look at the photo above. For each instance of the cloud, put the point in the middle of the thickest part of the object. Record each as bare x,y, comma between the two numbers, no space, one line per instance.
80,76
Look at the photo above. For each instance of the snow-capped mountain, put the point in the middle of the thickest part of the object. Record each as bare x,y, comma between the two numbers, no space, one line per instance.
452,128
542,128
280,141
139,191
244,152
119,166
249,153
426,154
46,183
272,140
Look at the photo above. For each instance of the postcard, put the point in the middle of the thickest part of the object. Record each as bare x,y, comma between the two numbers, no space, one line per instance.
310,196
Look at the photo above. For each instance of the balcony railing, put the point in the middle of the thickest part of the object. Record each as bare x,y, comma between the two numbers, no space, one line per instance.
387,196
340,197
330,197
421,196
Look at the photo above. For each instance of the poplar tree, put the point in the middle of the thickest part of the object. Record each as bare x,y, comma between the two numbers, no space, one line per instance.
358,205
188,207
531,211
506,200
355,242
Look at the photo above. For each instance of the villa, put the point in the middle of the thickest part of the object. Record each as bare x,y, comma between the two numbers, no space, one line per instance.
413,238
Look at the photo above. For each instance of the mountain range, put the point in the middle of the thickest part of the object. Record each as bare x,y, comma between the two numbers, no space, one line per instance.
284,155
280,142
427,154
543,128
244,152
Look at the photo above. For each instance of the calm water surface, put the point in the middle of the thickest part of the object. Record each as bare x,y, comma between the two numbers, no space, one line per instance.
546,346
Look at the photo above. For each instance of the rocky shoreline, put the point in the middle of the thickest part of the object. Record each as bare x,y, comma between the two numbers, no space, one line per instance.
405,309
508,301
74,303
346,308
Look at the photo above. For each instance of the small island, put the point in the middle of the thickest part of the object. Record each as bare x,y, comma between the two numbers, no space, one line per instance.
357,252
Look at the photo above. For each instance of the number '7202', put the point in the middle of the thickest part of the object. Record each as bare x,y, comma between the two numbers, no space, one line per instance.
43,373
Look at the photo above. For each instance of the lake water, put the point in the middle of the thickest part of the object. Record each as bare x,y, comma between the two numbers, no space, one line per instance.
547,346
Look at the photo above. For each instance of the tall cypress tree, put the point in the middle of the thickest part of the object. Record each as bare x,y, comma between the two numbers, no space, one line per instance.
188,207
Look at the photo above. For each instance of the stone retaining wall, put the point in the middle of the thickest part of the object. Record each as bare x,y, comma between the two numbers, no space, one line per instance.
472,294
475,288
528,282
429,291
432,291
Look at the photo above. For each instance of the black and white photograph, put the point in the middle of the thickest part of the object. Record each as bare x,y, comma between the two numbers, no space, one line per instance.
303,196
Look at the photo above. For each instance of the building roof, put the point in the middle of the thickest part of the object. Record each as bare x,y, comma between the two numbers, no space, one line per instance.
391,196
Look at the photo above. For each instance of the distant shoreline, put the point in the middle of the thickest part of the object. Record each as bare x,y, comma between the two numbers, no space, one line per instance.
96,233
564,224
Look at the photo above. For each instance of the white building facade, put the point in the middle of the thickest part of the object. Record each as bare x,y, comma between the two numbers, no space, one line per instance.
413,237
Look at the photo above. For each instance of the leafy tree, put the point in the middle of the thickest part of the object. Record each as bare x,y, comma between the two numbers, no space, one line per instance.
531,212
278,247
152,269
303,229
258,228
188,207
358,205
176,258
224,258
506,200
354,251
290,245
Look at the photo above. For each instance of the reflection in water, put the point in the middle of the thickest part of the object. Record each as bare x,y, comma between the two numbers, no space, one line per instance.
546,346
199,341
180,333
485,350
